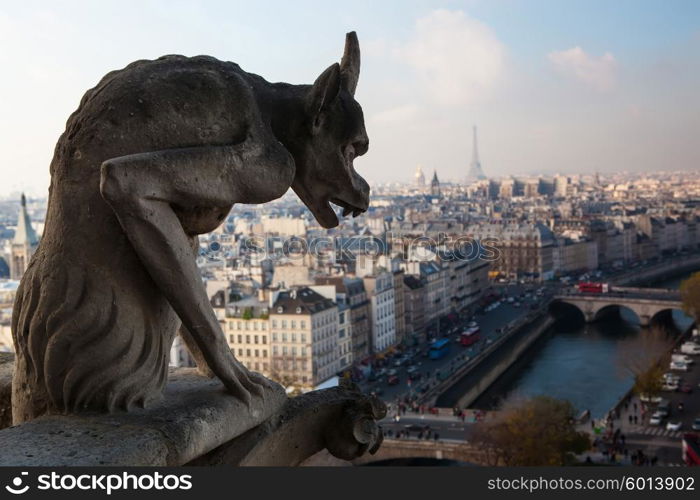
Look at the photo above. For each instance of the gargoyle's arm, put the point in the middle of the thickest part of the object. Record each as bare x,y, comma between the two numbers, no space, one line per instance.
143,188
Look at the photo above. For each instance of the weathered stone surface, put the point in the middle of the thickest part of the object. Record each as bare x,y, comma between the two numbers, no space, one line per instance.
195,416
341,420
157,153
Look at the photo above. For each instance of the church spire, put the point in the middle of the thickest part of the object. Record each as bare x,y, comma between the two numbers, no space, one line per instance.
435,185
24,235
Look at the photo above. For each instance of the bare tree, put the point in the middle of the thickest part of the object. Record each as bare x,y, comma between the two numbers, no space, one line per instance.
531,432
690,294
647,360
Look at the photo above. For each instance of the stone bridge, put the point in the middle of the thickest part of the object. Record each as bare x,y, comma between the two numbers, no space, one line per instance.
646,303
411,449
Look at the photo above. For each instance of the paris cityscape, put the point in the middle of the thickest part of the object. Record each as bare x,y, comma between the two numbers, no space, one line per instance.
483,251
373,299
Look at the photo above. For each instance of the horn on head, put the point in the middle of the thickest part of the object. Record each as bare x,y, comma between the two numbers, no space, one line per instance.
350,63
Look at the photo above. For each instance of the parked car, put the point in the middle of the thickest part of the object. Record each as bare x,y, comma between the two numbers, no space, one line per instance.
682,358
668,387
393,380
690,348
664,408
696,424
675,365
656,418
674,426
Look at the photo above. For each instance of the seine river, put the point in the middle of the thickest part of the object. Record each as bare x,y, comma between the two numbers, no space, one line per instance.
577,362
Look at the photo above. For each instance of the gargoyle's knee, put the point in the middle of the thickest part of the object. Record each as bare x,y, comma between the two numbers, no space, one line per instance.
113,183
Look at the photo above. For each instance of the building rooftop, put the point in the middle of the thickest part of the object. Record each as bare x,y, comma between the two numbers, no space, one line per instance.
301,301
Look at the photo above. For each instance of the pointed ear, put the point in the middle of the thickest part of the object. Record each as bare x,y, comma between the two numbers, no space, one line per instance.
324,90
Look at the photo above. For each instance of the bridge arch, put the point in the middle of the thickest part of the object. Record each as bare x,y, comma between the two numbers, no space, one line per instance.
566,311
644,303
621,311
670,314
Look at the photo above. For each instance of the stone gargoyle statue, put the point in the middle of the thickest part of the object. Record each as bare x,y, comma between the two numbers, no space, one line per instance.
156,154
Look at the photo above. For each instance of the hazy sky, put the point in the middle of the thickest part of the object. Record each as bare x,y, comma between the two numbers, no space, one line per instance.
554,86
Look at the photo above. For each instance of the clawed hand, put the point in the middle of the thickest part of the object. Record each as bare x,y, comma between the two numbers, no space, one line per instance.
245,384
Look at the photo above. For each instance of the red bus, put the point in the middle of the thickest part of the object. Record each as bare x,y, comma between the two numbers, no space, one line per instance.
469,336
691,449
593,287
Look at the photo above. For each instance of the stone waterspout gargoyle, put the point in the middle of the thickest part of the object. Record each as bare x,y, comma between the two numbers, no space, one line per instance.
156,154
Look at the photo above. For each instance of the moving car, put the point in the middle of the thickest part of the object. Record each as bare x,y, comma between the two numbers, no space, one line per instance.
393,380
413,373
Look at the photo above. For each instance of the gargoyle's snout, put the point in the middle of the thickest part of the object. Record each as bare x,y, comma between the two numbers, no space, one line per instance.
362,188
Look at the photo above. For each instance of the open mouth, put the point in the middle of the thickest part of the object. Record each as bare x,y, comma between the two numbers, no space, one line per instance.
348,208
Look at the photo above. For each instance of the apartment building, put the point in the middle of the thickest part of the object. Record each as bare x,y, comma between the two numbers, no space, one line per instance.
414,306
350,291
303,337
247,330
380,290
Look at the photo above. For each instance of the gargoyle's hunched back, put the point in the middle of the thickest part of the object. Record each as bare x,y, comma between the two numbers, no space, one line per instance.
156,154
91,329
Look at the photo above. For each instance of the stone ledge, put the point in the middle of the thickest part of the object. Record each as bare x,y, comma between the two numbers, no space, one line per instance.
341,420
195,416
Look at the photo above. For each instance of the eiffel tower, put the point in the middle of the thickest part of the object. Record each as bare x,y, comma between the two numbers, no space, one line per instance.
475,172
